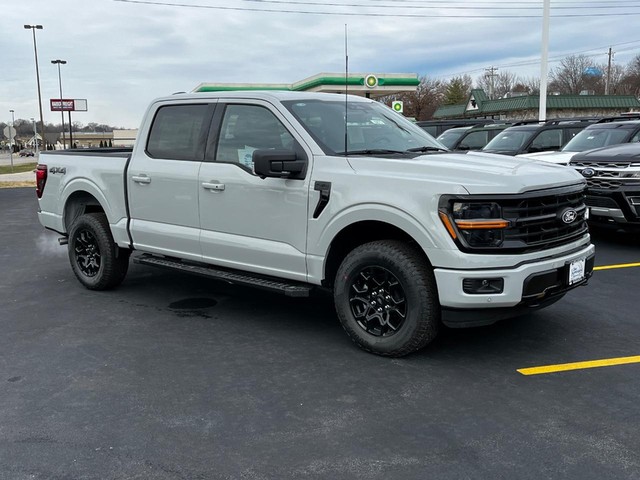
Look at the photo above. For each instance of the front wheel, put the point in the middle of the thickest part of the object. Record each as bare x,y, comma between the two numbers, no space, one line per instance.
95,258
386,298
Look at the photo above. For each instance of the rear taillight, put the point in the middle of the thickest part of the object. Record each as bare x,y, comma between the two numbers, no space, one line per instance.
41,179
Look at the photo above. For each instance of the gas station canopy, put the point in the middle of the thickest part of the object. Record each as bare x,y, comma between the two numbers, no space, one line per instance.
370,85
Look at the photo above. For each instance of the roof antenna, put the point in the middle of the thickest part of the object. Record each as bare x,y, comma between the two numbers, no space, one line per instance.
346,91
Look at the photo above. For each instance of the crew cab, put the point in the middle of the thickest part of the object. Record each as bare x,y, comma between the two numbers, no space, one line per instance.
293,191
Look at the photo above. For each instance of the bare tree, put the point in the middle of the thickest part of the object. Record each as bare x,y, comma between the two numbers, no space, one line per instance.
575,74
423,102
630,82
500,85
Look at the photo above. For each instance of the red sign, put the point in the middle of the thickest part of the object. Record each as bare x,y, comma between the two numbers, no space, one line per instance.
64,105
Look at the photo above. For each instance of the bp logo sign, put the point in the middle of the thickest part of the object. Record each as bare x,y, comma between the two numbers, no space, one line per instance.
371,81
397,106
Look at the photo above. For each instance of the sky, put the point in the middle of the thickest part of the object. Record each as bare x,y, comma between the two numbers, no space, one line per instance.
122,54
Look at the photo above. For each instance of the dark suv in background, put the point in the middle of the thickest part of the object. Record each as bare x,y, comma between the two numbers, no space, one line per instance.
533,137
471,138
436,127
613,184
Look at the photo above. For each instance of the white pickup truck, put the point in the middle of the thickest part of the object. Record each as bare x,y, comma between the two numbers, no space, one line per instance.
293,191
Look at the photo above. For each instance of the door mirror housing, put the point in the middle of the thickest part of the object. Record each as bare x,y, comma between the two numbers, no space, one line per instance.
278,164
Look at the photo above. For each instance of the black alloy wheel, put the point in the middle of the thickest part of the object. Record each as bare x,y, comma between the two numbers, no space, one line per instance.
378,302
386,298
97,262
87,253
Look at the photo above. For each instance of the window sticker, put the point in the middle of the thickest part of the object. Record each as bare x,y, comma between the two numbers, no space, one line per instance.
245,156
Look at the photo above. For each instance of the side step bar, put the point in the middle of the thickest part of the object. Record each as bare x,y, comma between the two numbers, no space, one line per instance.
290,289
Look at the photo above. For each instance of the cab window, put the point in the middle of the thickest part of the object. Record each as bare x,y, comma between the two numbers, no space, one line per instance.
246,128
179,132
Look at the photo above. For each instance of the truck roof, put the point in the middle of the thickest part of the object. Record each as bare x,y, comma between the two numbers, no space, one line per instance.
269,95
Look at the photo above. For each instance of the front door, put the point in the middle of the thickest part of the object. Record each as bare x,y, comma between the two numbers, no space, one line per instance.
248,222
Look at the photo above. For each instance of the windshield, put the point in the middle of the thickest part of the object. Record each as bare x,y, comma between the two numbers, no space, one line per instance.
510,141
451,136
372,128
596,138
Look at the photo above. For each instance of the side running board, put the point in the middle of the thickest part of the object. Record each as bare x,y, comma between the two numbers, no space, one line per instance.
290,289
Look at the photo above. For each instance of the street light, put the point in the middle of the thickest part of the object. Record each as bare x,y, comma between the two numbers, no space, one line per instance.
33,29
61,62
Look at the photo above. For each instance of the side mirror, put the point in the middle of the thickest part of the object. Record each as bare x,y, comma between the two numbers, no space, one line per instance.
463,147
278,164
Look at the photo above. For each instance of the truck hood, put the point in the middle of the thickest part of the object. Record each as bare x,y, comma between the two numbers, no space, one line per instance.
559,158
477,172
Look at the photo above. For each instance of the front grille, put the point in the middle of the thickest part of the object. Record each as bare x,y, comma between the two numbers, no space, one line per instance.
602,202
603,183
601,164
536,222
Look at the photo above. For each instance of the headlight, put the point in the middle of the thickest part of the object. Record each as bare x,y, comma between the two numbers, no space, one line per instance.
477,224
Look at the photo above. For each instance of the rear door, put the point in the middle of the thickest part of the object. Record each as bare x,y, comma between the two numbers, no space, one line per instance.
163,181
252,223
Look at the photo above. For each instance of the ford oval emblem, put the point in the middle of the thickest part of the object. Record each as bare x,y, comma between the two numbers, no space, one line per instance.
569,215
588,172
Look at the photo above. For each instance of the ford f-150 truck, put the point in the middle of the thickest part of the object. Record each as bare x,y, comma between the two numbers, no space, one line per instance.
292,191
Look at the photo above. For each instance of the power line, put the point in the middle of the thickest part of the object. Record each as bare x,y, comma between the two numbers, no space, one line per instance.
435,7
364,14
555,58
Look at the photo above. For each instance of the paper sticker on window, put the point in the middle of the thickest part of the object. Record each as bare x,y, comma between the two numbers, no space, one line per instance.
245,156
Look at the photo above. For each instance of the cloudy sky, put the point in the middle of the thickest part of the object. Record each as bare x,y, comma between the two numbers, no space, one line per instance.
123,53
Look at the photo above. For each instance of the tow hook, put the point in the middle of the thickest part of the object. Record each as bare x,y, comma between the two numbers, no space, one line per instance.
63,240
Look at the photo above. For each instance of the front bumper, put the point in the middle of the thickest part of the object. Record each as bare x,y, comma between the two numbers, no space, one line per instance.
529,285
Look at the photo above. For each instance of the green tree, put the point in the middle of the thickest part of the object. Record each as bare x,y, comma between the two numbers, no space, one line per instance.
457,90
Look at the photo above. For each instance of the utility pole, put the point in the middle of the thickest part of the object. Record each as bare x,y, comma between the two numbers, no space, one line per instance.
491,73
608,81
544,60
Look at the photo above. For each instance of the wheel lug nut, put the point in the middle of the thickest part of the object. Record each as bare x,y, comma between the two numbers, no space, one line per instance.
379,309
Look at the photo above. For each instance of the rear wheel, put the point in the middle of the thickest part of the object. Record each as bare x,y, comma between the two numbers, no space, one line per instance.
386,298
95,259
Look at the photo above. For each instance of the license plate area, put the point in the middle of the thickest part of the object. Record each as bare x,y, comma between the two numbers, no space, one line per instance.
577,271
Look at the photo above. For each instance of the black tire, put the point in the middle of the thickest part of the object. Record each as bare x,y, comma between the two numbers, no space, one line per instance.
386,298
95,258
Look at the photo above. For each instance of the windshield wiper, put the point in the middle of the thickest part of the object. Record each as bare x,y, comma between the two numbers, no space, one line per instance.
372,151
426,148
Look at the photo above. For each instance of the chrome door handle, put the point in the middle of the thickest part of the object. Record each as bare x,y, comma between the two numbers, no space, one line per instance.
141,178
219,187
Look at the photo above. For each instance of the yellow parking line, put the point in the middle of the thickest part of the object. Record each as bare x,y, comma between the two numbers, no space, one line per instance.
562,367
620,265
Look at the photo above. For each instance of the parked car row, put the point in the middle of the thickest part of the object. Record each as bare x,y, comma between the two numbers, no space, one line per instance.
604,133
606,151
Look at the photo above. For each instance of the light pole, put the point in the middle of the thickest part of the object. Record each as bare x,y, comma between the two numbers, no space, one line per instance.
11,130
61,62
33,29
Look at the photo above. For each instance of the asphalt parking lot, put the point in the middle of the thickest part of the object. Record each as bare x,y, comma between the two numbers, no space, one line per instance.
179,377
